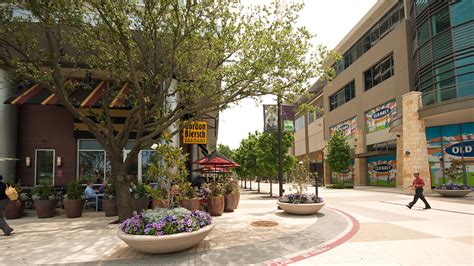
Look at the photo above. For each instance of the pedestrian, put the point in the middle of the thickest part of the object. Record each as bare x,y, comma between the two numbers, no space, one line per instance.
7,230
418,184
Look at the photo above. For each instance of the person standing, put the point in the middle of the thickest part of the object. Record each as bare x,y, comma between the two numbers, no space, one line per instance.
7,230
418,184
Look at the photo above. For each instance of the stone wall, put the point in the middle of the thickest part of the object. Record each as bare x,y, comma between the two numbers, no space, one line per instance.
415,152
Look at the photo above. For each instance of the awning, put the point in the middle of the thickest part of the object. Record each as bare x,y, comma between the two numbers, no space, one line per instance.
84,95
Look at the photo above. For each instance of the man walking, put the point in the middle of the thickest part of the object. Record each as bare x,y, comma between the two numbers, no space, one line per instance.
7,230
418,184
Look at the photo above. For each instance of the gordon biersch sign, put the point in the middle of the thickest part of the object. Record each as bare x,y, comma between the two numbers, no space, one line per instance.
195,133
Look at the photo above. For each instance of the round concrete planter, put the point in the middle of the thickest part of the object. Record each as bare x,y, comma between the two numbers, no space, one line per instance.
230,201
453,193
110,207
140,204
166,243
301,209
160,203
216,205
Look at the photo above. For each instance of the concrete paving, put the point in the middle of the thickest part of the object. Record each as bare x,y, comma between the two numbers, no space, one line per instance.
383,231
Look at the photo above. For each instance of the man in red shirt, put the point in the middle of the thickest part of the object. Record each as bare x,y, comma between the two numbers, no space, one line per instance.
418,184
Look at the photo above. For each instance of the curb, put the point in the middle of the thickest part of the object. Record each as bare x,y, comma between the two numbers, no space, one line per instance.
347,234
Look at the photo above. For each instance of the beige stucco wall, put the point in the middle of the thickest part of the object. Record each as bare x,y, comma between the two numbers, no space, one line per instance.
316,135
300,143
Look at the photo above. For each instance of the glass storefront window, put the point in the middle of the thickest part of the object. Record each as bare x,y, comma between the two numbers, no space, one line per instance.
146,160
44,164
446,144
92,165
465,85
382,170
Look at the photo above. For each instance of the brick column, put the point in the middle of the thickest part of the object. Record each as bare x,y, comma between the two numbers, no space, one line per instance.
415,152
400,154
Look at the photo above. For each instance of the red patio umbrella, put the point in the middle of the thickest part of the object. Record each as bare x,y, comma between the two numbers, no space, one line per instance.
217,159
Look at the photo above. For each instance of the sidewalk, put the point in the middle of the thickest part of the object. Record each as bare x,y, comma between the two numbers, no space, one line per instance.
383,231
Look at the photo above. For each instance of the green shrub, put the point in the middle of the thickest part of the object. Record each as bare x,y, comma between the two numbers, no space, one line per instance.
74,191
44,191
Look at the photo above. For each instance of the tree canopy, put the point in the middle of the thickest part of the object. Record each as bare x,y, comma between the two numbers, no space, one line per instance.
179,61
338,152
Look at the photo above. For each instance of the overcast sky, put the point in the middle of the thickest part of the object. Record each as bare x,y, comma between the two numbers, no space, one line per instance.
330,20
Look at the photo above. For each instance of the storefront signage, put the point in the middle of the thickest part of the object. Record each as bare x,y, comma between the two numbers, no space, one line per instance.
379,117
270,118
348,127
381,168
195,133
461,149
381,113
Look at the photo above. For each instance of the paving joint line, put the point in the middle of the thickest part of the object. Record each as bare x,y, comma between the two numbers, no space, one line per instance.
401,204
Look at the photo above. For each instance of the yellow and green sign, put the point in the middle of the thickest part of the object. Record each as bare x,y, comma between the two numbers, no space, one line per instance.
195,133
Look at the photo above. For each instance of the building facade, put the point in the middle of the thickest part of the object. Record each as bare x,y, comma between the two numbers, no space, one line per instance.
403,95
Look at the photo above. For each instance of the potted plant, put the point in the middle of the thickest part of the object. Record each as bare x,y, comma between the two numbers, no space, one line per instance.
14,210
299,202
215,201
44,199
158,197
165,230
454,187
109,203
188,197
139,199
230,199
74,200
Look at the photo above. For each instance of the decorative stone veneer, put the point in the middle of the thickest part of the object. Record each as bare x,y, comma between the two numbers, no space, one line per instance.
415,152
360,164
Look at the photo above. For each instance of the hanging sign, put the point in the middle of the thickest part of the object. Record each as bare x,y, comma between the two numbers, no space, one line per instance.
195,133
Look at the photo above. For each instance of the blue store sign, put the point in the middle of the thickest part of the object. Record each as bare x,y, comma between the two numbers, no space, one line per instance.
460,149
381,113
382,168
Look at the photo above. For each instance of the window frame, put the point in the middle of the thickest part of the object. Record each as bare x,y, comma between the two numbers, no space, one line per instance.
36,164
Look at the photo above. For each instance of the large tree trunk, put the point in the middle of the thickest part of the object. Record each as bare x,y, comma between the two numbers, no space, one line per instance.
271,188
258,187
123,196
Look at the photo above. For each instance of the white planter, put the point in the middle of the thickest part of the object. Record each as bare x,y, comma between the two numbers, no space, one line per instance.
453,193
301,209
166,243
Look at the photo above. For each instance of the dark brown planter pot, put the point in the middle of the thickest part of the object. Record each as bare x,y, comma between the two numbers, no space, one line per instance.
110,207
160,203
230,202
191,204
216,205
45,208
73,208
140,204
14,212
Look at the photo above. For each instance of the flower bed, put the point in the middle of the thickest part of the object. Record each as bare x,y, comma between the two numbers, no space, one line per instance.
161,221
300,198
165,230
451,186
453,190
301,204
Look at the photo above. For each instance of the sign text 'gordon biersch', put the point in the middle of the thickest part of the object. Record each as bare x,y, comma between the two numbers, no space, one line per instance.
195,133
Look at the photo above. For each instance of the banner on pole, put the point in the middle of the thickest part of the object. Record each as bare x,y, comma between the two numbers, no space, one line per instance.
270,118
195,133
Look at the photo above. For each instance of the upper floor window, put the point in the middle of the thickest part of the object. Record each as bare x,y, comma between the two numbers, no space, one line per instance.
342,96
381,71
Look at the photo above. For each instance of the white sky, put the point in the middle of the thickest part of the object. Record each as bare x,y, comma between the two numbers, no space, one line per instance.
330,20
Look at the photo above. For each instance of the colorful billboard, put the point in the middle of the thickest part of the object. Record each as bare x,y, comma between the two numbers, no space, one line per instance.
382,170
346,176
448,143
348,127
379,117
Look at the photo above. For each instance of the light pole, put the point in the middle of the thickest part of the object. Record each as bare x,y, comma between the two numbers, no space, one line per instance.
279,137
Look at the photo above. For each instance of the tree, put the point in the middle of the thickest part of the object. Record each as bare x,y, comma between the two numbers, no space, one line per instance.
225,150
179,61
267,155
338,152
246,156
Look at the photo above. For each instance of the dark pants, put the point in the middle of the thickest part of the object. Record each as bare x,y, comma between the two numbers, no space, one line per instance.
3,224
419,195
